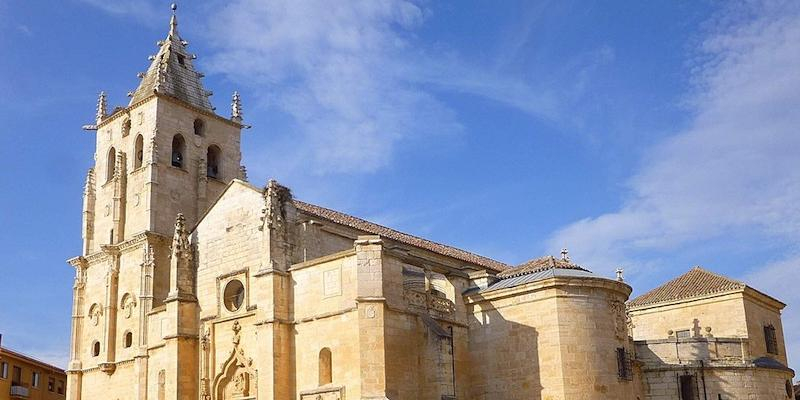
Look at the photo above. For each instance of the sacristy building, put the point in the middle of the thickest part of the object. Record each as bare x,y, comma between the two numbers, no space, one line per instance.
195,284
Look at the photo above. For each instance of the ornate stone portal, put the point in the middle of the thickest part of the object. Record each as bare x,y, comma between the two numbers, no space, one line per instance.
237,379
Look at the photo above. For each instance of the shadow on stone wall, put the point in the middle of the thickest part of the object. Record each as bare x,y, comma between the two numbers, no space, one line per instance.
504,356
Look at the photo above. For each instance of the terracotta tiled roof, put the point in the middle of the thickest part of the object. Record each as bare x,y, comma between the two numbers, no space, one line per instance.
696,282
388,233
538,265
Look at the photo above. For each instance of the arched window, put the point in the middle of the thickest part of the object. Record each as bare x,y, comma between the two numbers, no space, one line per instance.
199,127
111,162
128,340
138,152
178,147
325,367
95,348
213,162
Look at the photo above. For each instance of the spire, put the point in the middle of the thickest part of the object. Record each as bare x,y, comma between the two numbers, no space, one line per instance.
173,22
171,72
236,108
102,107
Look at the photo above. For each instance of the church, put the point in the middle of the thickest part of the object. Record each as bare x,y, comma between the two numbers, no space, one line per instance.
193,283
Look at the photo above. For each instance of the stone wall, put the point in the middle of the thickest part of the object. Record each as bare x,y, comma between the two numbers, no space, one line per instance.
723,314
552,339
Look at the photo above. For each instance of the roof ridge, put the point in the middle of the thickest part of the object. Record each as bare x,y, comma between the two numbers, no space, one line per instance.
29,358
540,264
691,284
390,233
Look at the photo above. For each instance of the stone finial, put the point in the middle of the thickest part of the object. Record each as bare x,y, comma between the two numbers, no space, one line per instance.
173,21
620,273
88,188
149,257
243,173
565,254
119,166
236,108
102,107
180,242
153,148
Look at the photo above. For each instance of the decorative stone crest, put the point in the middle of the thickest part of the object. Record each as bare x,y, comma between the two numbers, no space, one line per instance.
127,305
95,312
275,195
620,319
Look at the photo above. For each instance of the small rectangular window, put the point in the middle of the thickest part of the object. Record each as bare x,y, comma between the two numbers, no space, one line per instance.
60,387
685,334
624,369
16,376
35,379
771,339
51,384
4,370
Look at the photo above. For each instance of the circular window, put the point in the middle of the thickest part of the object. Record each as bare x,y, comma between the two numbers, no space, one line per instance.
234,295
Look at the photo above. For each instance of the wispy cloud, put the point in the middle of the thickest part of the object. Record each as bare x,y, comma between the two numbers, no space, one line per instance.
734,171
353,78
145,11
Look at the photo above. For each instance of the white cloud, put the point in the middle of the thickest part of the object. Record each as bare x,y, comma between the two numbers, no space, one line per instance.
353,78
145,11
734,172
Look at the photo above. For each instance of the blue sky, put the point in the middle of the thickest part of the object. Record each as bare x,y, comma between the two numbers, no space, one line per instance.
650,135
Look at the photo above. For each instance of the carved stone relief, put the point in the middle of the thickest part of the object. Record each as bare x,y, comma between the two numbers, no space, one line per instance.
95,312
127,304
620,319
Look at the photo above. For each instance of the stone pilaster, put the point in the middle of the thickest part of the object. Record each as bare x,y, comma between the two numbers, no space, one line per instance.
112,297
371,323
119,200
202,186
74,371
89,199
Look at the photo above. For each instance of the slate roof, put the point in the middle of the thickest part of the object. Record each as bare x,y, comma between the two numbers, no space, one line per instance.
538,265
539,275
172,73
375,229
697,282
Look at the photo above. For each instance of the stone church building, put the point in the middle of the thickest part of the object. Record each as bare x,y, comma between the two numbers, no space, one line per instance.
195,284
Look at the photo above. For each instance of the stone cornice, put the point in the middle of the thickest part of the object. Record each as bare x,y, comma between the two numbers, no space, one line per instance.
125,246
127,110
549,283
322,260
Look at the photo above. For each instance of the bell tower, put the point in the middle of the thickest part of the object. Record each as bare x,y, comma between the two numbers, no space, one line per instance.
159,163
167,152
